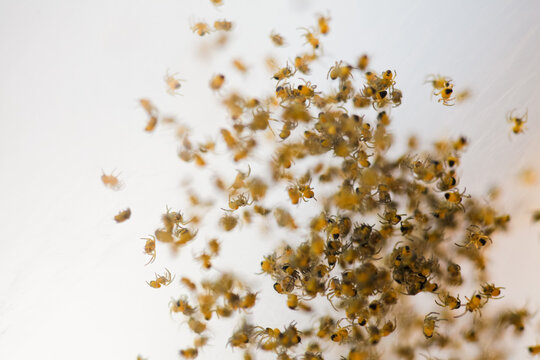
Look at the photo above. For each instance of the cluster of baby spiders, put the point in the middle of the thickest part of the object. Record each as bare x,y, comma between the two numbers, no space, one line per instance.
385,229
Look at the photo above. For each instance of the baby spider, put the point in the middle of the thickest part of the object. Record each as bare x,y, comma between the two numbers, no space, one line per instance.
277,39
173,84
201,28
151,124
189,353
388,78
446,95
322,22
228,222
150,248
240,66
311,39
443,87
474,304
181,305
223,25
518,122
449,301
430,323
284,73
490,291
148,107
476,237
463,95
217,81
123,215
237,202
307,90
455,197
111,181
340,70
161,280
534,350
363,62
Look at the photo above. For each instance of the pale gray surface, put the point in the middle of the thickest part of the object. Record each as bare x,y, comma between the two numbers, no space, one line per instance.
70,73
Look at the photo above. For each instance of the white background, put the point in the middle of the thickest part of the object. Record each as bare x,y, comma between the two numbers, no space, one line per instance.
73,281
